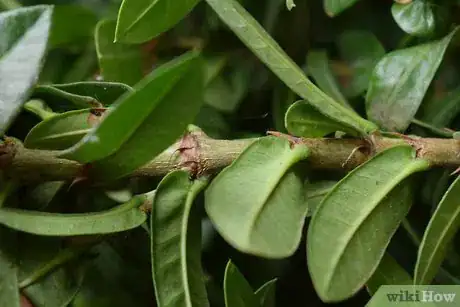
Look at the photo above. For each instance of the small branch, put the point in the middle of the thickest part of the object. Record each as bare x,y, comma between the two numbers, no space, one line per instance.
207,155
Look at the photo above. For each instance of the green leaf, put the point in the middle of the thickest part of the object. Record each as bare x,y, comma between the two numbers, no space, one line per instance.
113,281
415,18
238,292
81,95
140,21
213,67
118,62
22,49
121,218
212,122
176,242
290,4
303,120
400,81
446,133
40,196
56,289
257,203
60,131
265,295
9,290
163,126
315,193
442,112
226,95
389,272
269,52
343,228
71,24
361,50
318,67
48,278
335,7
282,99
438,235
148,110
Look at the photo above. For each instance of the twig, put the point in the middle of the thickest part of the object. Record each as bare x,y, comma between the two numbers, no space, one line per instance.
212,155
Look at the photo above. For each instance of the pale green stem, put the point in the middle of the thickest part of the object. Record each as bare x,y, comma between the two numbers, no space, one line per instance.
34,106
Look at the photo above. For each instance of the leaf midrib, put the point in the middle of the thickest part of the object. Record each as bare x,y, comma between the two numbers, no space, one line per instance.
437,244
287,162
395,180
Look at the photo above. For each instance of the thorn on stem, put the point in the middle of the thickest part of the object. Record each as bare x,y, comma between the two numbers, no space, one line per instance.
351,155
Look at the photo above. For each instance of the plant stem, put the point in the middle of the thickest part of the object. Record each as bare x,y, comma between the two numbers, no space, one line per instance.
9,4
212,155
436,130
35,106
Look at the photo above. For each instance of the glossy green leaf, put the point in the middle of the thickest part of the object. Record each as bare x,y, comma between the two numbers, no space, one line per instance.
140,21
257,203
318,68
438,235
343,228
121,218
238,292
290,4
315,193
138,112
23,44
117,62
9,291
163,126
389,272
399,83
176,242
61,131
269,52
71,24
303,120
335,7
265,295
81,95
361,50
415,18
